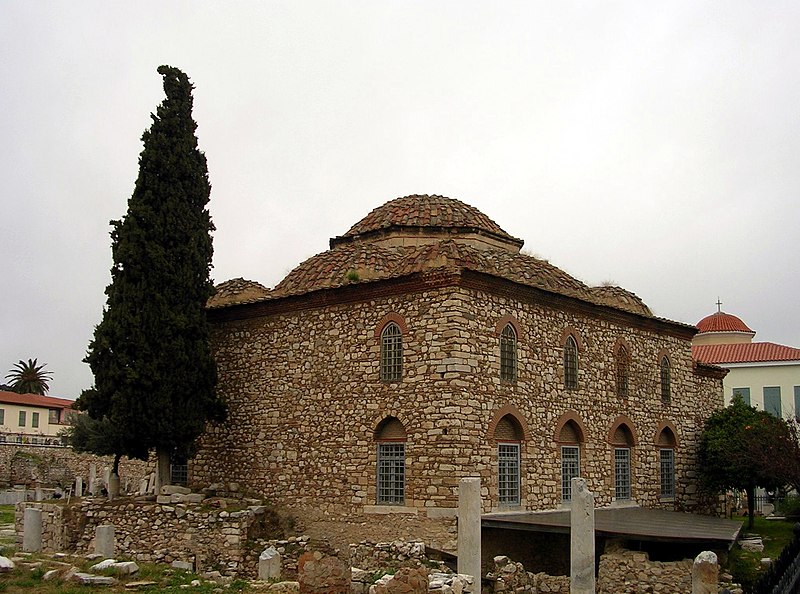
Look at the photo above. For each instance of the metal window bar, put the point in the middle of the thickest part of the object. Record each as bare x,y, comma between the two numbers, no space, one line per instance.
667,473
622,473
179,474
508,354
570,469
570,364
508,473
391,473
391,353
666,381
623,372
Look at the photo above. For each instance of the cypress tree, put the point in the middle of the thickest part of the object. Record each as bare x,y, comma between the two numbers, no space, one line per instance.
150,355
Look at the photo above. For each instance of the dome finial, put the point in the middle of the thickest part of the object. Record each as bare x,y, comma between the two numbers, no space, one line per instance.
719,305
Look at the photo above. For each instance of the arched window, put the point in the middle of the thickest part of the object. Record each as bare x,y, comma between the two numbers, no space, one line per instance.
570,364
391,353
623,371
622,441
570,438
508,354
666,380
508,434
666,452
391,470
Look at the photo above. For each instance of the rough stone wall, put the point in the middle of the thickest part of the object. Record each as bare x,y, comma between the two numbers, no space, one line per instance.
209,537
58,466
629,572
508,576
305,398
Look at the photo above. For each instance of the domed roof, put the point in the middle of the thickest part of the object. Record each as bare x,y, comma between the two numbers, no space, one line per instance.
424,212
722,322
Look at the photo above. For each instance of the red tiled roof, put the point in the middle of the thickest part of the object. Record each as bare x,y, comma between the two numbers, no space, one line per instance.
723,322
750,352
34,400
358,256
422,210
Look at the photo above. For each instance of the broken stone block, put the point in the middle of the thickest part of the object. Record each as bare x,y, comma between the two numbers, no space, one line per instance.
269,564
182,565
173,489
6,564
93,580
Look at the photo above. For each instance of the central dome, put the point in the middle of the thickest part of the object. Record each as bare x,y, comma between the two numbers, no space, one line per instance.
723,322
422,216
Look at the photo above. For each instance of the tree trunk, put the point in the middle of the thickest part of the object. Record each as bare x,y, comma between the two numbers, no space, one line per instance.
751,506
162,469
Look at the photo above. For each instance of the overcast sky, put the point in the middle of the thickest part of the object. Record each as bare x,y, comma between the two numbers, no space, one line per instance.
652,144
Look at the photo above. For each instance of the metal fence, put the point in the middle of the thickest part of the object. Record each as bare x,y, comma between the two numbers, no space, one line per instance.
783,576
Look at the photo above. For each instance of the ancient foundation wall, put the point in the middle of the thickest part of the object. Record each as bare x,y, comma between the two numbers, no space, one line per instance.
55,466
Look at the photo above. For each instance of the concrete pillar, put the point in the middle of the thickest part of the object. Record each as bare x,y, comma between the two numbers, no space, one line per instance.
104,541
32,530
106,476
469,527
581,539
705,574
93,479
38,493
78,486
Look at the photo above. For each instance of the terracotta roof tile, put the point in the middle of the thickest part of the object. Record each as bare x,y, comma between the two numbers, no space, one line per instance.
723,322
34,400
235,291
422,210
750,352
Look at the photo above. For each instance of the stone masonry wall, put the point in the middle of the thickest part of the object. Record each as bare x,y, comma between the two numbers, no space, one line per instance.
629,572
305,398
205,535
58,466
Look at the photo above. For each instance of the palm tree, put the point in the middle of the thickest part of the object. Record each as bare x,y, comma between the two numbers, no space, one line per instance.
30,378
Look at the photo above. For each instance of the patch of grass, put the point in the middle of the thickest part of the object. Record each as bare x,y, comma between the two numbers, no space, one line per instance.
745,566
6,514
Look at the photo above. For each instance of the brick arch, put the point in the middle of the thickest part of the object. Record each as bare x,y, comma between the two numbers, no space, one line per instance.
661,427
661,354
619,421
391,317
570,331
504,321
508,409
570,416
620,342
380,417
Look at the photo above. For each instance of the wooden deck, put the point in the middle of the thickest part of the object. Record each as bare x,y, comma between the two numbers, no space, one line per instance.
627,522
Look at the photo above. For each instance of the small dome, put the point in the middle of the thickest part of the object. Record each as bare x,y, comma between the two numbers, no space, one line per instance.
723,322
424,212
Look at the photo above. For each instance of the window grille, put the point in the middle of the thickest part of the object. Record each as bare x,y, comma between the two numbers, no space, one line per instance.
623,372
22,418
666,380
391,473
570,364
508,354
570,469
622,473
35,419
508,473
179,474
391,353
667,473
53,416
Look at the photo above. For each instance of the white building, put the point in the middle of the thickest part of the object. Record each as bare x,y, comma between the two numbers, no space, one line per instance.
31,418
765,374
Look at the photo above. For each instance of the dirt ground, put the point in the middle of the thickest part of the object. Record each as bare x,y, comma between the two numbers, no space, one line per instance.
341,531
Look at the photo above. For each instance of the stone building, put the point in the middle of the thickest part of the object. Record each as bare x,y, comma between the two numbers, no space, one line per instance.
424,347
